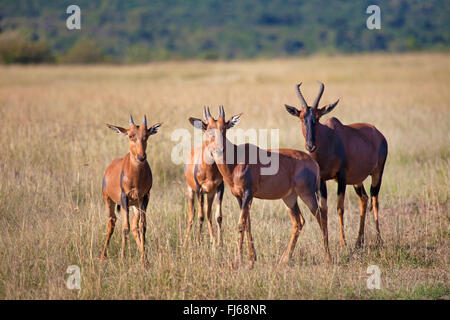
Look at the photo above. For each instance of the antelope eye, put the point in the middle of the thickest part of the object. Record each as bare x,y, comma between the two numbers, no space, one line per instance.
132,136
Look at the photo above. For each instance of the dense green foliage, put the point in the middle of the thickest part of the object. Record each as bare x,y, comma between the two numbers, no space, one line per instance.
137,30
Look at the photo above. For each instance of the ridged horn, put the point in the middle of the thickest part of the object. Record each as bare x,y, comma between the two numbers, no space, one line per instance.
222,112
319,95
300,96
208,112
131,121
145,121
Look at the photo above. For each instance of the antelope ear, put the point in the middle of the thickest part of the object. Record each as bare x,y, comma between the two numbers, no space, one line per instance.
234,120
198,123
328,108
118,130
154,129
292,110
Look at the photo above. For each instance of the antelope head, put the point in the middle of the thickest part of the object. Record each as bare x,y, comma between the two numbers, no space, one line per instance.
137,137
310,115
215,130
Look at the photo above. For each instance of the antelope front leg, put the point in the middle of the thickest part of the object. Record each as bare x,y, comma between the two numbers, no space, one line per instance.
219,223
190,196
126,225
201,215
243,226
219,197
143,228
210,200
135,226
251,246
323,218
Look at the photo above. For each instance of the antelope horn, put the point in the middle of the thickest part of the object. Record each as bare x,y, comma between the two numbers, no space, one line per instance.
131,121
319,95
300,96
208,112
222,112
145,121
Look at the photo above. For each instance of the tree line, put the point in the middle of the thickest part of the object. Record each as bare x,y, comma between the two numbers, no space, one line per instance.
135,31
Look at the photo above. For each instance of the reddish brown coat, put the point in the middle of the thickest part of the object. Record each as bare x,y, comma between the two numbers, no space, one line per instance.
203,177
127,182
297,175
347,154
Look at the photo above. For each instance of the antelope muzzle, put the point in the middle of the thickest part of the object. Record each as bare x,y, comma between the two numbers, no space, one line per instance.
142,158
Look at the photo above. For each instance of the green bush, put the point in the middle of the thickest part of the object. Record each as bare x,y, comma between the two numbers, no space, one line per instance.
84,51
15,48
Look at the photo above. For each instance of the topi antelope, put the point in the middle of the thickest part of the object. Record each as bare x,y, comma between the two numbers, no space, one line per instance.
297,176
345,153
203,176
127,182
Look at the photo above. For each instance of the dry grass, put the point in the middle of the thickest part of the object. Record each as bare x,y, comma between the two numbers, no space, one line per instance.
55,148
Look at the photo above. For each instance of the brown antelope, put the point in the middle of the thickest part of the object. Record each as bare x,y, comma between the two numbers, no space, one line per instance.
203,176
297,176
127,182
345,153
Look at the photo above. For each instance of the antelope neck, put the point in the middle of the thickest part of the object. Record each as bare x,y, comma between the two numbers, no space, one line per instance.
226,169
135,165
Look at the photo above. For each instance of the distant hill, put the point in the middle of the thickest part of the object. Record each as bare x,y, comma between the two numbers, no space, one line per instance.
138,31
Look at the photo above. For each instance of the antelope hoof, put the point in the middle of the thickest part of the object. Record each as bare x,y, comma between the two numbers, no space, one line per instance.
237,263
284,260
379,242
359,243
251,264
145,264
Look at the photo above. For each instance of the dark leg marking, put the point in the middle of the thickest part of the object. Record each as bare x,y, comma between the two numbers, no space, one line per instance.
239,200
247,197
144,202
323,189
197,184
341,180
382,153
359,191
310,178
220,191
340,204
123,196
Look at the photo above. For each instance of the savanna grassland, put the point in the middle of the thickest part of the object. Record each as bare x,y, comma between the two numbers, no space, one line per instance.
55,147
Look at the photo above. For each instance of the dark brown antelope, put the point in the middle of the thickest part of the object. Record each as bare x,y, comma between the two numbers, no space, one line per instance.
345,153
297,176
203,176
127,182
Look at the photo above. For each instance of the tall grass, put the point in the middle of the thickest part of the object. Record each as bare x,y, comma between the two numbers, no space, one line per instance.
55,148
